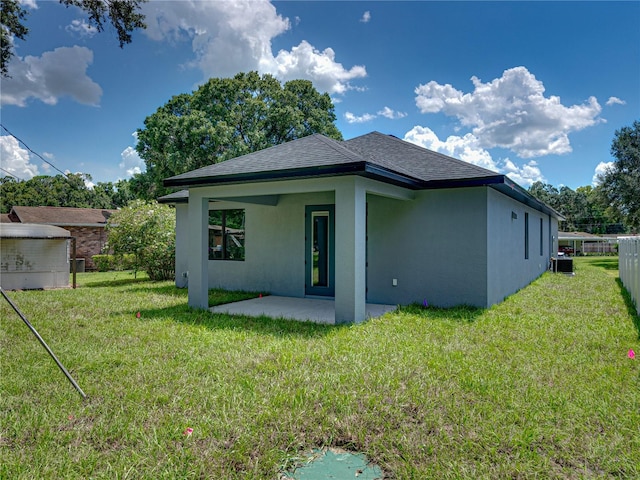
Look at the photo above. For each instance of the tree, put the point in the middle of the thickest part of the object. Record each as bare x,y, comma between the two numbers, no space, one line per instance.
146,230
226,118
583,208
621,183
11,18
123,15
62,191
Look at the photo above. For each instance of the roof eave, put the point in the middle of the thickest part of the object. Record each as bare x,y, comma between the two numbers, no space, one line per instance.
515,191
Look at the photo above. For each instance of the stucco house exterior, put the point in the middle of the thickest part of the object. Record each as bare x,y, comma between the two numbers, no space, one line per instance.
373,219
87,225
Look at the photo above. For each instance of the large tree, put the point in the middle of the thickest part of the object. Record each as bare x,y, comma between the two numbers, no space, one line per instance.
225,118
123,15
620,184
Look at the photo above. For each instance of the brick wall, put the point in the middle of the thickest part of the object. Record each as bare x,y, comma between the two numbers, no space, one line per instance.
89,242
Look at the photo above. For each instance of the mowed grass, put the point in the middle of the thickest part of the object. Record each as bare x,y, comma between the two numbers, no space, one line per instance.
539,386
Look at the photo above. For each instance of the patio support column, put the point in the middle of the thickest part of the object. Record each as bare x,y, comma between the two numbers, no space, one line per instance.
350,261
198,244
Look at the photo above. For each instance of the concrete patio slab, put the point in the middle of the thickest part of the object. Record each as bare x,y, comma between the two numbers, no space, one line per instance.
303,309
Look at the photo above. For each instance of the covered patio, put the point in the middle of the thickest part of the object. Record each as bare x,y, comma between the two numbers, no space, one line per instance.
317,310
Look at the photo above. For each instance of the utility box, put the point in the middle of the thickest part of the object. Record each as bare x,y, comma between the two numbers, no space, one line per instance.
80,265
33,256
562,265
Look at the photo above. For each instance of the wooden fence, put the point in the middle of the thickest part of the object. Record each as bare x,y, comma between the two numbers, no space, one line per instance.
629,266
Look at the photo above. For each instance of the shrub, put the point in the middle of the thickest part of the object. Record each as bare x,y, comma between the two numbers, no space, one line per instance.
105,263
146,230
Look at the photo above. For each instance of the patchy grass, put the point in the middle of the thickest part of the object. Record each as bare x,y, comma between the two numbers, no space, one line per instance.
538,386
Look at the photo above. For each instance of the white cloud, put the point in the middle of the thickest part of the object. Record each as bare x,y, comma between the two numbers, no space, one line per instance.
15,159
82,28
524,176
366,16
367,117
469,149
131,162
232,37
57,73
351,118
601,169
511,112
465,148
391,114
614,101
29,3
306,62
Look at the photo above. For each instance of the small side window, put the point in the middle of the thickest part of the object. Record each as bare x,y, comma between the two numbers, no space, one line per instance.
541,239
526,236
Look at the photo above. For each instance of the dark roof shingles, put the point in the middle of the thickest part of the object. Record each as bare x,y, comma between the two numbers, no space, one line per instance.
376,149
62,215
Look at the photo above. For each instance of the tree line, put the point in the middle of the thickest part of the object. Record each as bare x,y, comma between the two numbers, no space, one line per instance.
613,206
69,190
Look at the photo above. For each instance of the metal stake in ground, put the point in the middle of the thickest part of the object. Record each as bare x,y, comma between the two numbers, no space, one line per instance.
44,344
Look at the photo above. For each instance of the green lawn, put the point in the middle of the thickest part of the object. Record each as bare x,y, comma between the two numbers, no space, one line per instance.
539,386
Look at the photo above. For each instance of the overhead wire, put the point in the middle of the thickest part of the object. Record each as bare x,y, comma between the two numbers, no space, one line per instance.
35,153
11,174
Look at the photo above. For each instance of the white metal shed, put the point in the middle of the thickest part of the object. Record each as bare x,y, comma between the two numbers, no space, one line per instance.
33,256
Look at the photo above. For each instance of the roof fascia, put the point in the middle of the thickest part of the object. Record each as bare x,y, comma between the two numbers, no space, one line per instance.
515,191
499,182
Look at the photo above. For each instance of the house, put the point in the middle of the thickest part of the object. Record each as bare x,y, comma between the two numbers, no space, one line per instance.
578,243
87,225
373,219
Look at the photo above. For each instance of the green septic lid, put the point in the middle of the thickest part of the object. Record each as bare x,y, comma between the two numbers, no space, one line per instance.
334,463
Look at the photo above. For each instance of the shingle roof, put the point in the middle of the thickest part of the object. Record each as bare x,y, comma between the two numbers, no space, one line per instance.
65,216
374,155
426,165
316,155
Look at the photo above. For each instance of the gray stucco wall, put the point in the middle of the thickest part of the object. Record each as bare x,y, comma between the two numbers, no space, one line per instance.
274,247
508,269
449,246
182,249
435,246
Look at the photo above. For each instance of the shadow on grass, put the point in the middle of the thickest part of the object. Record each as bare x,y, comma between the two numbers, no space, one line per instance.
608,263
275,327
631,308
462,314
182,313
112,283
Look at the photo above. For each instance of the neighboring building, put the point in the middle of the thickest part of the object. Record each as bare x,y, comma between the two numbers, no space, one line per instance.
33,256
87,225
372,219
581,243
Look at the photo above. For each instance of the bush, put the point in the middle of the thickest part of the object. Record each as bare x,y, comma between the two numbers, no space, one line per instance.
105,263
145,230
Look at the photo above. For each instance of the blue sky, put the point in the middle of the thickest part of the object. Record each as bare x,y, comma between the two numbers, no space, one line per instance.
535,90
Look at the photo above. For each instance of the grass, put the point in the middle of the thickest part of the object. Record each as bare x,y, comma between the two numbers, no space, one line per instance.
539,386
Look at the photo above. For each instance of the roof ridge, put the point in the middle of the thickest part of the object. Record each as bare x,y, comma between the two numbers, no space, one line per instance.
439,154
340,147
380,161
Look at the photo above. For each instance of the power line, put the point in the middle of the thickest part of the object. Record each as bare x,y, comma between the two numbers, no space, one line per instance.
11,174
35,153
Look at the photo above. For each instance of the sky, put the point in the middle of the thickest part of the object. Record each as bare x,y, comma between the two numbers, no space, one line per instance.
533,90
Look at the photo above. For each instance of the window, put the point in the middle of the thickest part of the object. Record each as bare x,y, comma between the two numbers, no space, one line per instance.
541,241
526,236
226,235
